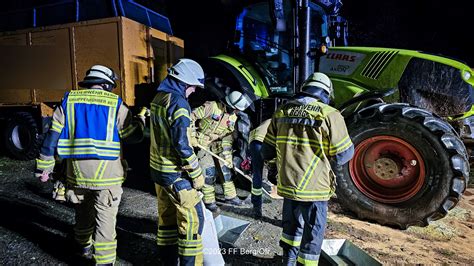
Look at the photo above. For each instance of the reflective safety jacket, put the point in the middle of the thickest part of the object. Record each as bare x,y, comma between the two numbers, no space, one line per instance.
90,129
259,133
305,134
82,126
215,125
170,151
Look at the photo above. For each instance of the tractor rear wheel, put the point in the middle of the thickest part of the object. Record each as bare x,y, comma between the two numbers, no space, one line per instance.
409,166
22,137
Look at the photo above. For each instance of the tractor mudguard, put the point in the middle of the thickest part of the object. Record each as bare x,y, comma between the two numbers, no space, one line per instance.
247,76
367,96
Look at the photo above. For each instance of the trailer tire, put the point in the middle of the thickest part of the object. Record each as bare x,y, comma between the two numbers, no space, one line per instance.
22,137
409,167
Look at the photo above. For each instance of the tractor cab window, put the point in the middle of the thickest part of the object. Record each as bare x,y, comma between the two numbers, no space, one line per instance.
319,26
325,21
318,31
268,48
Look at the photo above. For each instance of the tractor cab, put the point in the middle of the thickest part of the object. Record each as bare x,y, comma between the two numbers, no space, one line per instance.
267,35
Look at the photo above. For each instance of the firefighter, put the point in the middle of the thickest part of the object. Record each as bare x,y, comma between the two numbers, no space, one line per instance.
86,131
307,135
215,127
175,168
256,139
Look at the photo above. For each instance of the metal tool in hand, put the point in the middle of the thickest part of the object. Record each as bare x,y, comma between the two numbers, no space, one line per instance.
232,166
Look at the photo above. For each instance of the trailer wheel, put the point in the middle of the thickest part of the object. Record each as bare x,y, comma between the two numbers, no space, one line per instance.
409,166
22,137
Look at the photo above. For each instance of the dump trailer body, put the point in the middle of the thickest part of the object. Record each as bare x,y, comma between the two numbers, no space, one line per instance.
40,64
139,54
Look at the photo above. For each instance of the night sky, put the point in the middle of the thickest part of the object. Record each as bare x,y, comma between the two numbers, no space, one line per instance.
435,26
442,27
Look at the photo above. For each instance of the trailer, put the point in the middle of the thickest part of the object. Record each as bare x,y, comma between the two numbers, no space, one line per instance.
39,64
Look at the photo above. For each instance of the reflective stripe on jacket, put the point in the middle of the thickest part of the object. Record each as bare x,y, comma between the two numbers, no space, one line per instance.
90,172
214,123
90,129
259,133
215,126
304,135
170,151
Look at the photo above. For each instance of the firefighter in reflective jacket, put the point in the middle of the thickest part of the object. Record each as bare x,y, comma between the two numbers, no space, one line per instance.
86,131
305,135
215,127
175,168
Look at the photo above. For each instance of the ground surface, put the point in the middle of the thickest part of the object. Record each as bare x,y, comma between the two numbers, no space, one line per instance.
34,228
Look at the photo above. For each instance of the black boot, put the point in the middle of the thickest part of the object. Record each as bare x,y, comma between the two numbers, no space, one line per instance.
235,201
257,212
212,207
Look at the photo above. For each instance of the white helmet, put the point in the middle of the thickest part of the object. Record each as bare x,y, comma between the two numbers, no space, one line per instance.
188,71
238,101
99,74
318,80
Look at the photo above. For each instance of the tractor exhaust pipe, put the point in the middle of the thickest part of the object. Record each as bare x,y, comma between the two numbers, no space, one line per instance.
304,22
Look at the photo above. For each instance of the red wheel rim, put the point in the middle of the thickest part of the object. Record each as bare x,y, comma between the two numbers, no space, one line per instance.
387,169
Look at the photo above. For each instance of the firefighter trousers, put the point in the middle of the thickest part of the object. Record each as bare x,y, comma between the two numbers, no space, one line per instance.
96,218
304,224
257,169
209,164
180,223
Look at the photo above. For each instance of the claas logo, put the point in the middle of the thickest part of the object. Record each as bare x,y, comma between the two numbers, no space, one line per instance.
341,57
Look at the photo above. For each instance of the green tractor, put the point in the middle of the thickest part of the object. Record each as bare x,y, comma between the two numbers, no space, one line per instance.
409,113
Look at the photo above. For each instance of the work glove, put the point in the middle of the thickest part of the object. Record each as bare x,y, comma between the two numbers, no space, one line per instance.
246,165
198,182
42,175
192,136
193,141
144,112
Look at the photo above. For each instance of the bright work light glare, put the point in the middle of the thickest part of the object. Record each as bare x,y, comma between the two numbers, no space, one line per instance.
466,75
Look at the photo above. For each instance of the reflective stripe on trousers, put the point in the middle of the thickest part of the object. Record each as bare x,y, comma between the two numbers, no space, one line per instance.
96,218
180,221
208,164
304,224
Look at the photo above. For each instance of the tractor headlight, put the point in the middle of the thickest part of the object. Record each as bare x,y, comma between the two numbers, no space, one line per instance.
466,75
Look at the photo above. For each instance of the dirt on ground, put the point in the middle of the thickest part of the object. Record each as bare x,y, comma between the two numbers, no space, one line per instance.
446,241
35,229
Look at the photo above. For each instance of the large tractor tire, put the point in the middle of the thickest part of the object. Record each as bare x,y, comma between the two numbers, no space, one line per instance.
409,166
22,136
